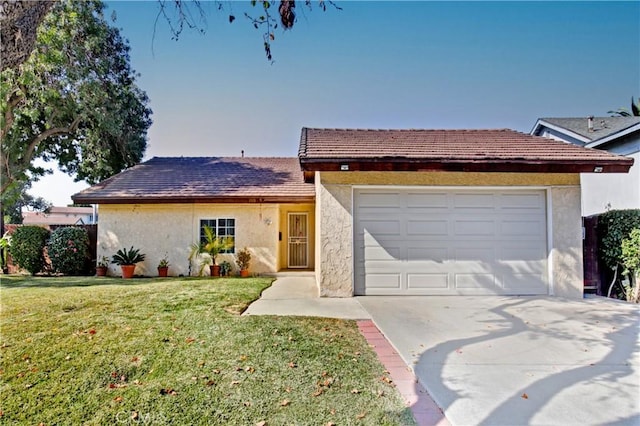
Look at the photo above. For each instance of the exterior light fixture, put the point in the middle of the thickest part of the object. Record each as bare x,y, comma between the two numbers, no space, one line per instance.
344,167
598,169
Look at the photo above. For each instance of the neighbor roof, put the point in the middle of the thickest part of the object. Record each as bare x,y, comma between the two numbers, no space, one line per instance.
449,150
602,126
203,179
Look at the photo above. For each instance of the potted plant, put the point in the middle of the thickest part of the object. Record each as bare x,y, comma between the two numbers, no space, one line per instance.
225,268
243,258
208,250
163,267
102,266
127,260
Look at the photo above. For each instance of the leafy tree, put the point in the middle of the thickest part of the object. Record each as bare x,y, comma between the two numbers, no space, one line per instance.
623,112
23,200
74,101
18,23
20,19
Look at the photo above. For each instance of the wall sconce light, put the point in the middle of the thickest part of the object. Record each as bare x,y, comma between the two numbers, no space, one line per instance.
598,169
267,222
344,167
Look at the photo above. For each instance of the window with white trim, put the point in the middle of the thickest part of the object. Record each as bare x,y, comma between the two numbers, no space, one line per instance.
222,227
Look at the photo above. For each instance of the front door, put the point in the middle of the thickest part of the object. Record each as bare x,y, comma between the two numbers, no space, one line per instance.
298,241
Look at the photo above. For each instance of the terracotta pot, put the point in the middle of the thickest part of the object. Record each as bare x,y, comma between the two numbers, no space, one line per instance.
127,270
244,273
163,271
101,271
215,270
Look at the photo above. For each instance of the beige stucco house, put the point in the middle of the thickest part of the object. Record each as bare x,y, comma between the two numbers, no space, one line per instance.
372,212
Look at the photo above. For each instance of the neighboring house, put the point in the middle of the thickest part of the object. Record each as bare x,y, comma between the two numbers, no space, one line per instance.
60,216
618,135
407,212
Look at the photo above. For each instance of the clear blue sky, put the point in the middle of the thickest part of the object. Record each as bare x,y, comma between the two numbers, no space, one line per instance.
375,65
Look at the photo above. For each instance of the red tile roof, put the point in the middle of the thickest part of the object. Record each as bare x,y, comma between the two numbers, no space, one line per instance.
455,150
203,179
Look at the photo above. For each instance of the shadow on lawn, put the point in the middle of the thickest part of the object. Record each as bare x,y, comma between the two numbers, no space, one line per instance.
26,281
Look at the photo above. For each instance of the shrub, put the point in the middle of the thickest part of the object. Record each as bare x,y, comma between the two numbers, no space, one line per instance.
68,250
613,227
631,262
27,247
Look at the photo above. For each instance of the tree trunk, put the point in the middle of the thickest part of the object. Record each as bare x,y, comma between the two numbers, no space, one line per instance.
19,21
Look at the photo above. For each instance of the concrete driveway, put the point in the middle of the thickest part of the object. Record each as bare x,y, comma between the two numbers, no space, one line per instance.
519,360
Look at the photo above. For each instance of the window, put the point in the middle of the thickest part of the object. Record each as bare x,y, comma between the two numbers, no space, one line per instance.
222,228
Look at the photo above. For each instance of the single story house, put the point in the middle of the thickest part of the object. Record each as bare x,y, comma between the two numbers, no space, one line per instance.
372,212
618,135
61,216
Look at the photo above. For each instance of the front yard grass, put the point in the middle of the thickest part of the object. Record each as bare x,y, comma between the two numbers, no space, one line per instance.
175,351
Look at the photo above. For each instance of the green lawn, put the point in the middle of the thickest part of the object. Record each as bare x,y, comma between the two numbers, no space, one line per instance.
175,351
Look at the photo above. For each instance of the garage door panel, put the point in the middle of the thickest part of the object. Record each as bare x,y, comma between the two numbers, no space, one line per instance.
473,256
383,281
427,281
425,227
384,200
428,254
520,203
521,228
428,201
474,201
376,253
464,228
381,227
451,242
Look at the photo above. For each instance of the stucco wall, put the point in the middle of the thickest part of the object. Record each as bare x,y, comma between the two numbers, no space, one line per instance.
334,240
334,213
606,191
157,229
566,248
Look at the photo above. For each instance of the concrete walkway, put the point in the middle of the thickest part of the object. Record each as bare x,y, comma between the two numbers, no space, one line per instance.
298,295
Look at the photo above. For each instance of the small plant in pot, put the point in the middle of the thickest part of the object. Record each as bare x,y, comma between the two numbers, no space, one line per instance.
225,268
243,258
163,267
207,251
102,266
127,260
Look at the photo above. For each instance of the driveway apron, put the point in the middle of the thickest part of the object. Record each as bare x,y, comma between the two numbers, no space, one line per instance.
519,360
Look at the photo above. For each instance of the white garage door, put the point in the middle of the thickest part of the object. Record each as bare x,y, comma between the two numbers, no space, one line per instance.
430,242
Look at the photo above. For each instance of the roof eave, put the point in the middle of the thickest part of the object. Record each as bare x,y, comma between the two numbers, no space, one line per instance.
621,165
543,123
89,199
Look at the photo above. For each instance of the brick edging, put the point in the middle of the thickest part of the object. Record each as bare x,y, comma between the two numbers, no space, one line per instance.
425,411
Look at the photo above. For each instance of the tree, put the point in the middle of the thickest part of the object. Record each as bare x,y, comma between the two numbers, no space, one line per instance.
74,101
623,112
180,14
19,20
23,200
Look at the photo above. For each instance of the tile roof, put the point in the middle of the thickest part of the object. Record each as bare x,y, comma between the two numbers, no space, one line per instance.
481,150
203,179
602,126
